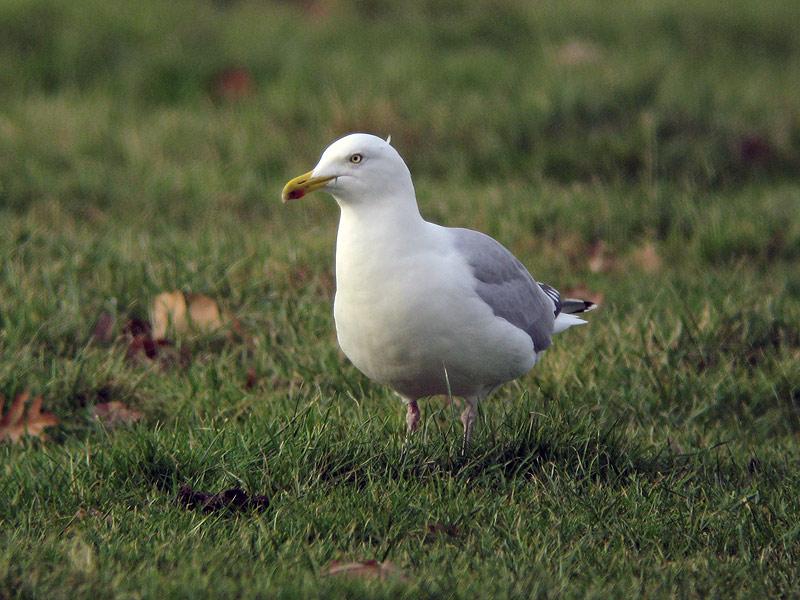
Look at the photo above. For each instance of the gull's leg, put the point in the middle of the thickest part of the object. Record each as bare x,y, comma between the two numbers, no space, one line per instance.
412,416
468,420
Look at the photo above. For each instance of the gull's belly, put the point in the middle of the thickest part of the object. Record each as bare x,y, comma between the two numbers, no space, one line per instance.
422,332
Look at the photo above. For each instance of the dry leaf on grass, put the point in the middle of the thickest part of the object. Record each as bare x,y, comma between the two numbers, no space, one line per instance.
252,379
204,313
143,347
115,413
16,423
647,258
183,314
168,310
174,312
142,344
439,530
136,326
578,52
233,499
755,149
233,83
600,258
365,569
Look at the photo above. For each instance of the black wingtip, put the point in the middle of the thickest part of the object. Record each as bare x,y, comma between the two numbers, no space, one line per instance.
576,306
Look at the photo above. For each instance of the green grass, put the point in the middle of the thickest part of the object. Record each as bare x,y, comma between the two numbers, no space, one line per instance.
653,453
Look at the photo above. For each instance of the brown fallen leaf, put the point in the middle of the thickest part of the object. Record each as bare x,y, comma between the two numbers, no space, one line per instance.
181,314
168,311
233,83
435,530
365,569
600,259
142,347
204,313
647,258
136,326
115,413
103,331
142,344
252,379
318,9
755,149
233,499
578,52
16,423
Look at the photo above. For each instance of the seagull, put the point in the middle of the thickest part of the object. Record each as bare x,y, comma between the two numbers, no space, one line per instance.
424,309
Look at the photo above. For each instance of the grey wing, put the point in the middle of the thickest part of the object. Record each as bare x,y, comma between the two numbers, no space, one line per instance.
505,285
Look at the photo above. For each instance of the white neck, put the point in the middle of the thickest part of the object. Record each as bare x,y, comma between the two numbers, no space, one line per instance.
371,234
394,216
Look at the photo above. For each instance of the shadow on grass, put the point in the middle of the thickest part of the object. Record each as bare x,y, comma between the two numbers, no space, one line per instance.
585,455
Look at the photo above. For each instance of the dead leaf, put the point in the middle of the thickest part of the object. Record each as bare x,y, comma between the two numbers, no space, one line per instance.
115,413
365,569
168,311
318,9
173,310
136,326
252,379
142,344
600,259
578,52
204,313
755,149
233,83
142,347
233,498
647,258
103,331
441,530
16,423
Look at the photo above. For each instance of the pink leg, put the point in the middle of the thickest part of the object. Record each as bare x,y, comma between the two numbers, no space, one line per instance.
468,420
412,416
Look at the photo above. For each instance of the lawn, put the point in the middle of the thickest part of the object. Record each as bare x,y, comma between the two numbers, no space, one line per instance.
645,154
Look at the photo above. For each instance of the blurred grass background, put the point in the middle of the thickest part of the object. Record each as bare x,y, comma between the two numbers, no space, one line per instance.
644,152
484,89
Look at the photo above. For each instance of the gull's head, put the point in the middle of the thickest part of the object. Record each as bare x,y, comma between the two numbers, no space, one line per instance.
358,168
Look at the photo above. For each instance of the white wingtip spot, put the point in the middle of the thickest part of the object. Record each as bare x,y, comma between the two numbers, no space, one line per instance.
565,321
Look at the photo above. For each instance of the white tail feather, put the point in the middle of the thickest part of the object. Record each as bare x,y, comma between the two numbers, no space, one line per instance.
565,321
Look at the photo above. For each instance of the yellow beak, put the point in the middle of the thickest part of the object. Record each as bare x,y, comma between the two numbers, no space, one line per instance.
302,185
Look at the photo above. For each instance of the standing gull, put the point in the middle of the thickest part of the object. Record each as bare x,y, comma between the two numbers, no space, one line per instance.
426,309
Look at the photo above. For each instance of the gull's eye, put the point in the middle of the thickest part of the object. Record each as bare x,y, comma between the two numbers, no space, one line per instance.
356,158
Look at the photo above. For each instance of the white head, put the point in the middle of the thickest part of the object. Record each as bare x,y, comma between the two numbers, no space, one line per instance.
358,168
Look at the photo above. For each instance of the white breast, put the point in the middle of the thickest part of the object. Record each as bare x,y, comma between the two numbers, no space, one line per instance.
407,316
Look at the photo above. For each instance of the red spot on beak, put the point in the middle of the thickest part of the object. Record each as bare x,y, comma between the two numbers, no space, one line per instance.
296,193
